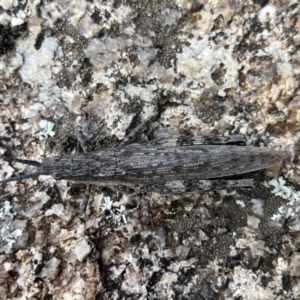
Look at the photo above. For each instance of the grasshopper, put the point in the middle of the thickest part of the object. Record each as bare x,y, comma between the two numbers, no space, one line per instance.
172,165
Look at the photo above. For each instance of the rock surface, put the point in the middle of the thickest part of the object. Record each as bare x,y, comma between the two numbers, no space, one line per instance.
104,67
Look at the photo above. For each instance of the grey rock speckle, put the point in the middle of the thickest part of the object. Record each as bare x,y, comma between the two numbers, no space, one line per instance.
205,68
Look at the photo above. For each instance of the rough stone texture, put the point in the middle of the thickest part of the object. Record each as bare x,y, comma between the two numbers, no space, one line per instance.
206,67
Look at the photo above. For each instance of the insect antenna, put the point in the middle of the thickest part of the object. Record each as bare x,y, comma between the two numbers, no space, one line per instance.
22,161
32,175
25,162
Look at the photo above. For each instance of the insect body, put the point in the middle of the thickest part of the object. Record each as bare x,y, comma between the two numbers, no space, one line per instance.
173,165
189,165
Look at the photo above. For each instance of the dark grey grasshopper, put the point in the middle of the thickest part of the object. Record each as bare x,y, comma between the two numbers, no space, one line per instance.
172,165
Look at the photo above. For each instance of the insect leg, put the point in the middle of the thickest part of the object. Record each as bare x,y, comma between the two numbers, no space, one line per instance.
135,131
83,205
199,140
194,185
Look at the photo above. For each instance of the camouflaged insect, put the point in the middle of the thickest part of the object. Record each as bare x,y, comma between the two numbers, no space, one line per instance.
172,165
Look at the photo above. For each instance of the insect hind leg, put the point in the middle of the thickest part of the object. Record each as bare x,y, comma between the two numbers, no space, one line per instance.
83,205
199,140
194,185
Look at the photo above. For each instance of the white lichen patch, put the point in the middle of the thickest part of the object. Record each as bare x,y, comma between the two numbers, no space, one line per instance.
10,230
46,129
286,192
9,237
117,213
107,204
5,210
